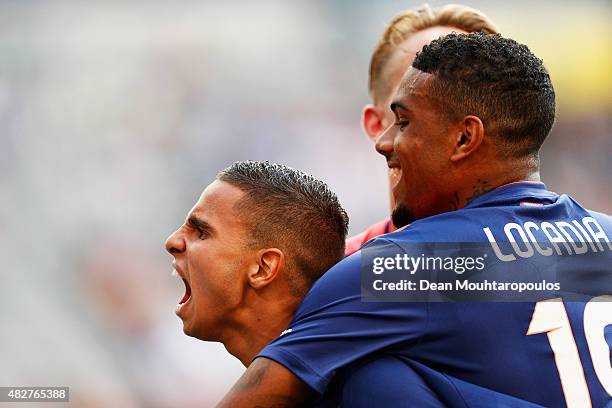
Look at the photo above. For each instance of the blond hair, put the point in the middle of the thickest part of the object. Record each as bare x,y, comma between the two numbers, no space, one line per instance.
409,22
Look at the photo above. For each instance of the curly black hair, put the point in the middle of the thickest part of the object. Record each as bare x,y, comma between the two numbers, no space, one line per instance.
497,79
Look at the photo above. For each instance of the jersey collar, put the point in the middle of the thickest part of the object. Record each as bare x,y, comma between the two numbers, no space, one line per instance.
514,194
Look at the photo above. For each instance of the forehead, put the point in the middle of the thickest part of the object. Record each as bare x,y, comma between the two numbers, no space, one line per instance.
402,57
414,88
416,41
216,204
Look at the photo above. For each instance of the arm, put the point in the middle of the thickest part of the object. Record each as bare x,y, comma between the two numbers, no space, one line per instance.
267,384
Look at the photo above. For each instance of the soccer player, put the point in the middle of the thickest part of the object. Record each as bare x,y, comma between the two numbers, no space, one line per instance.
470,117
250,249
406,34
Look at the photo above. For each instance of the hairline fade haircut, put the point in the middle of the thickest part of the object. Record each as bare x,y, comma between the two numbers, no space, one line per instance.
496,79
409,22
293,211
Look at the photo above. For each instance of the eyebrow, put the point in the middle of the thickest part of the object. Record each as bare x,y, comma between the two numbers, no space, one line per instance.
199,224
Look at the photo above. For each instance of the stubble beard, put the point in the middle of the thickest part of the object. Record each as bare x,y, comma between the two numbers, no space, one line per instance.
401,216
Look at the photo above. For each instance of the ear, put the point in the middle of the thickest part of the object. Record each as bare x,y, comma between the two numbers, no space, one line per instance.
269,263
470,134
372,119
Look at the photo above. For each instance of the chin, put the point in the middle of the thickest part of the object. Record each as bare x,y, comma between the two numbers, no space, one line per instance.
200,333
401,216
187,330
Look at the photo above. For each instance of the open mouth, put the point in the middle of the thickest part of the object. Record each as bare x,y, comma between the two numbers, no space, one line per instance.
395,171
187,294
395,174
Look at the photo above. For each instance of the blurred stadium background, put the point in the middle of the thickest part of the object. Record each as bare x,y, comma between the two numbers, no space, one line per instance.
115,115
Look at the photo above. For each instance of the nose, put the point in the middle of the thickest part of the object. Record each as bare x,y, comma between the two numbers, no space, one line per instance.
175,243
384,142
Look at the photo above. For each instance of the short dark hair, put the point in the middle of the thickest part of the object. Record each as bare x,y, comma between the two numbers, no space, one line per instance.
294,211
497,79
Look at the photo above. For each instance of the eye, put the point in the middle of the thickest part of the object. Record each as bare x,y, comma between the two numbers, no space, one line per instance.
202,234
401,124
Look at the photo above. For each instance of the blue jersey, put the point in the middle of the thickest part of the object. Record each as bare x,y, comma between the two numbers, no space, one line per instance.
469,354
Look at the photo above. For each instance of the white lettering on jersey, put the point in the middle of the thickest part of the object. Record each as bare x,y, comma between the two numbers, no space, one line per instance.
561,237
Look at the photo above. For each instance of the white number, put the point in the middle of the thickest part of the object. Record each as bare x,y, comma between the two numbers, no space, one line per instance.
550,317
597,315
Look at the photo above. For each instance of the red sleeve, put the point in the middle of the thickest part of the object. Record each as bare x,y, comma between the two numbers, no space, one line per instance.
355,242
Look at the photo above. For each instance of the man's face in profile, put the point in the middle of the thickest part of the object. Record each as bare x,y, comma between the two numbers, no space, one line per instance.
399,62
209,255
417,148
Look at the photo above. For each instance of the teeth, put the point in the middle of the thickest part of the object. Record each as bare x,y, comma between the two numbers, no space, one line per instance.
394,172
175,273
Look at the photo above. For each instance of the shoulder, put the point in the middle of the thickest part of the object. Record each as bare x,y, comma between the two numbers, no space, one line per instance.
599,220
383,380
341,283
454,226
604,219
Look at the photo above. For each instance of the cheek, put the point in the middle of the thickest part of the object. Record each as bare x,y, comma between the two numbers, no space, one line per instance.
204,265
421,169
427,154
216,280
411,154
